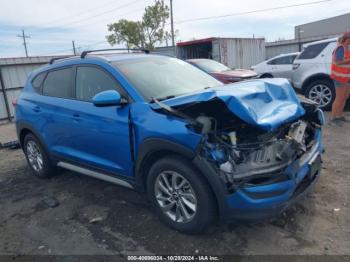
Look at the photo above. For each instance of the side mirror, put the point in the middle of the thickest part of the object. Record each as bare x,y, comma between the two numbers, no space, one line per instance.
108,98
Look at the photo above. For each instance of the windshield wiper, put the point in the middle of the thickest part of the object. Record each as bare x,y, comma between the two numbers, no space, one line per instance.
163,98
196,125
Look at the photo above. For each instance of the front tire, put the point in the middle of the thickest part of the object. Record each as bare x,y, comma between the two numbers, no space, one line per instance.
180,195
322,92
37,158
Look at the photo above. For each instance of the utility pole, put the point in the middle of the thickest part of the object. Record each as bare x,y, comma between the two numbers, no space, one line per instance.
172,24
74,50
299,38
23,36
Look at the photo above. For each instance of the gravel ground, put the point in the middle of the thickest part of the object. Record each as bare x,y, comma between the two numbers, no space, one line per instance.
73,214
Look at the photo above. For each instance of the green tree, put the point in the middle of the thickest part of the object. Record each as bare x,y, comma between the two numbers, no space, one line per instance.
141,34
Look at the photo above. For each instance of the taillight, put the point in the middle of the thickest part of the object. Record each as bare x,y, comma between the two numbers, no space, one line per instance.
295,66
14,102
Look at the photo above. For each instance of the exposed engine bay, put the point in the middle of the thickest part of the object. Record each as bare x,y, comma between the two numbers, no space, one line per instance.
242,153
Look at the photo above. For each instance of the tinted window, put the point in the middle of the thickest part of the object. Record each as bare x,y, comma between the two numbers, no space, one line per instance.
285,60
58,83
312,51
210,66
160,77
37,81
91,81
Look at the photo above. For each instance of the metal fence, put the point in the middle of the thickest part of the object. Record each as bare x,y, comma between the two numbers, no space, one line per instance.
13,76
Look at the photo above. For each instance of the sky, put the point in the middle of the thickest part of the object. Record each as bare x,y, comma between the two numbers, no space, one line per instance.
52,24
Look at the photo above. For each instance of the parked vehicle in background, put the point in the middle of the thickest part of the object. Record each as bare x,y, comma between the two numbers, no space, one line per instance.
311,72
222,72
199,149
278,66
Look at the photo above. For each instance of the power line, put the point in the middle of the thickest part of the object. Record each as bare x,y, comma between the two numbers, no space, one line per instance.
77,48
100,14
81,13
124,14
24,36
249,12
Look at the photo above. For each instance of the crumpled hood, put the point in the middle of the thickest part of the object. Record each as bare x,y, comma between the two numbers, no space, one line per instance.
264,103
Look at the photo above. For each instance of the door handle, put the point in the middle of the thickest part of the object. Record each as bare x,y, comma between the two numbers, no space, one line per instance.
76,117
36,109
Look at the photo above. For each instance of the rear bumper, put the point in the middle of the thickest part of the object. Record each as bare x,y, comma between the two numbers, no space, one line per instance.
254,202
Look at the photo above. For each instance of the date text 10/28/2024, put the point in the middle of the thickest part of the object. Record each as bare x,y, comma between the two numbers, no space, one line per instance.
173,258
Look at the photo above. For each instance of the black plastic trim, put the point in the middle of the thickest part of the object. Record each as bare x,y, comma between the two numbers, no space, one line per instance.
153,145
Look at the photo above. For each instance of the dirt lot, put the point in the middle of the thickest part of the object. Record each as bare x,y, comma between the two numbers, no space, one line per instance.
126,225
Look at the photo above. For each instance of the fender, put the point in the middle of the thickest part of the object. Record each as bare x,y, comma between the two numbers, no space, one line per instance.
152,145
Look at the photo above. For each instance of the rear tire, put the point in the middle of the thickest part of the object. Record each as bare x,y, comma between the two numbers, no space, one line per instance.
266,76
37,157
186,205
321,91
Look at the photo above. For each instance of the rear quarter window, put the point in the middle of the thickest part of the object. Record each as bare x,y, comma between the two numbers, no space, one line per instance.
37,82
312,51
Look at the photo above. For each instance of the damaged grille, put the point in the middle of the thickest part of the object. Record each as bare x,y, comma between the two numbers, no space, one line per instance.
248,157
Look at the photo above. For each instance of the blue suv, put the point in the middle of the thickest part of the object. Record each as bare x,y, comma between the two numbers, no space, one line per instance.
200,150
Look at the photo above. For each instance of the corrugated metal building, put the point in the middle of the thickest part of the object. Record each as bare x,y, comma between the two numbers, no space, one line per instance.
336,25
233,52
310,32
13,75
165,50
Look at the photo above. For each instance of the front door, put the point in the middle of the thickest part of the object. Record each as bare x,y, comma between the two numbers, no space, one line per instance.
100,134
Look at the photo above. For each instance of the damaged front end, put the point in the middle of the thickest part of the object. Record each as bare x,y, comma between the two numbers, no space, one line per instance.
243,155
263,143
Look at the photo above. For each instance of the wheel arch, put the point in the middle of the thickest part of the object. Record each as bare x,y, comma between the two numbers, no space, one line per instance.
312,78
24,129
266,75
150,151
153,149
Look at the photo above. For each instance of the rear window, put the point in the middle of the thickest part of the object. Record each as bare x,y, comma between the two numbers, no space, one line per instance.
312,51
37,81
285,60
58,83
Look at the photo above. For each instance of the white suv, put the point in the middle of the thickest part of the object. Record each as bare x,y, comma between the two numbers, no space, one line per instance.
311,72
278,66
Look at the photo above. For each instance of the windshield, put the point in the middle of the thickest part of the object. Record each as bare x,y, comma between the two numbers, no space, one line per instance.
164,77
210,66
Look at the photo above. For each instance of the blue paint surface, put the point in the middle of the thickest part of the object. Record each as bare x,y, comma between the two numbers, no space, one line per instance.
265,103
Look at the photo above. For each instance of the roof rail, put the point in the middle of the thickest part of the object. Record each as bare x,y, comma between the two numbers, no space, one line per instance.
57,58
84,53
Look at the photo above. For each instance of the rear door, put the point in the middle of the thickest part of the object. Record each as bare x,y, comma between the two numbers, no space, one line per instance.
282,66
100,135
55,106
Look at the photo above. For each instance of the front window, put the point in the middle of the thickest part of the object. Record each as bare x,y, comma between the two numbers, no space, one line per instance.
91,81
164,77
211,66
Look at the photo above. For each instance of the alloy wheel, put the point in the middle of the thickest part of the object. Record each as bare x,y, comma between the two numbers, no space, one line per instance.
321,94
175,196
34,156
